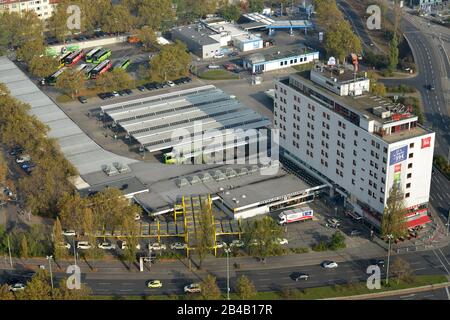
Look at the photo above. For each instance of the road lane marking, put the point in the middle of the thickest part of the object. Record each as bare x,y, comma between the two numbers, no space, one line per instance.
448,293
104,283
408,296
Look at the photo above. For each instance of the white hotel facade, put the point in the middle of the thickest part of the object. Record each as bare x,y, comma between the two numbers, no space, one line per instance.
358,143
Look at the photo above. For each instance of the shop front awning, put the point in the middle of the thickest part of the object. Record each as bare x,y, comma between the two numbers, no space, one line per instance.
417,222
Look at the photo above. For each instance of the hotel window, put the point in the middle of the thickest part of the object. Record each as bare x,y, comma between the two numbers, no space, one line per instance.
407,195
408,185
409,176
410,166
411,145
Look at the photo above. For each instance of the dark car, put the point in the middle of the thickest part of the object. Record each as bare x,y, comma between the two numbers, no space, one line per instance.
16,151
122,93
128,91
379,262
178,81
82,99
150,86
233,54
159,85
141,88
102,96
298,276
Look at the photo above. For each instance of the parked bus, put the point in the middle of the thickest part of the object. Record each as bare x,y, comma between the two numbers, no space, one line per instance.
62,59
74,57
101,55
51,80
122,64
101,68
81,67
91,54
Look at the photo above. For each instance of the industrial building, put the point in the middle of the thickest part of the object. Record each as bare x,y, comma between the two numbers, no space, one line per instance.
360,143
198,40
207,112
264,62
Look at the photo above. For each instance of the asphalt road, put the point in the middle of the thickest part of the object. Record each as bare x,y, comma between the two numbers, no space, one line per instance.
266,279
440,194
439,294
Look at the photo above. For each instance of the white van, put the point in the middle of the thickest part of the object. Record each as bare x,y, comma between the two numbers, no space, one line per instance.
23,158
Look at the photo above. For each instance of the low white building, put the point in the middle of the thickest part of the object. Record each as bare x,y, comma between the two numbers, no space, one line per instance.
264,62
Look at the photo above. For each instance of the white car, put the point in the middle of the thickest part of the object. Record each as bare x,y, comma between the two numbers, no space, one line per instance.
69,233
115,94
83,245
17,287
192,288
329,264
64,245
178,246
221,244
219,55
213,66
170,83
23,158
137,217
282,241
157,246
107,246
237,243
124,246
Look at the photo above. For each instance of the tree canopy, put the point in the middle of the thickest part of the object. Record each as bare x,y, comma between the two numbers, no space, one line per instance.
170,63
393,221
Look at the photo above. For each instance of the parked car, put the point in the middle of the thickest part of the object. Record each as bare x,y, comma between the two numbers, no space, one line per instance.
170,83
82,99
122,93
124,245
141,88
237,243
178,246
221,244
69,233
378,262
27,165
83,245
7,192
23,158
219,55
233,54
64,245
150,86
334,223
157,246
154,284
137,217
107,246
355,233
297,276
282,241
16,151
213,66
128,92
329,264
115,94
192,288
17,287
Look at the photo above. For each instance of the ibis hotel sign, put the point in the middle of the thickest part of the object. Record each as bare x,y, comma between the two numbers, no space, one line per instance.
398,155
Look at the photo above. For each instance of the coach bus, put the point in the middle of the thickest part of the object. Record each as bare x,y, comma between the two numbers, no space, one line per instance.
91,54
62,59
101,56
101,68
51,80
74,57
122,64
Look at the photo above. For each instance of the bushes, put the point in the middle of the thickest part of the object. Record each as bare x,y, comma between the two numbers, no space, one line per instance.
442,164
337,242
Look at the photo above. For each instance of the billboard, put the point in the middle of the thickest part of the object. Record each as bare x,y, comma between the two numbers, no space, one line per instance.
398,155
426,142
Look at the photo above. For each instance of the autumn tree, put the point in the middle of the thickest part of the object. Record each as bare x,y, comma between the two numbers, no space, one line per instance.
116,80
327,13
400,269
20,28
30,50
147,36
57,23
71,82
262,236
256,5
393,53
209,288
204,235
119,19
154,13
393,220
5,293
43,66
170,63
231,12
24,247
129,228
38,288
59,252
71,209
341,41
245,288
64,293
376,88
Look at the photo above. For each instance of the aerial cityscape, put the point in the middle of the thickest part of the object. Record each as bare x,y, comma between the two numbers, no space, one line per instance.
187,150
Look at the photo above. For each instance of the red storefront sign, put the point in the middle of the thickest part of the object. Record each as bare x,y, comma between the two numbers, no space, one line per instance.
426,142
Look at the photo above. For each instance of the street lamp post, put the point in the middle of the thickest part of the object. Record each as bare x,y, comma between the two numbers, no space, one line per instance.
390,236
228,273
448,221
49,258
9,251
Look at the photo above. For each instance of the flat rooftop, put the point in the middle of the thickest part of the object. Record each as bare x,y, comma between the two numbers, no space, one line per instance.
155,122
129,186
86,155
200,35
362,105
277,54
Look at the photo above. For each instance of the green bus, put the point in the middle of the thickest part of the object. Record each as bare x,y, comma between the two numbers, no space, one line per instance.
91,54
122,64
101,56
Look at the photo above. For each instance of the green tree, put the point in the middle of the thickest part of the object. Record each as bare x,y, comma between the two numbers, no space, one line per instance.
38,288
337,241
5,294
57,23
245,288
30,50
376,87
64,293
209,288
118,79
204,234
400,269
119,19
341,41
231,12
24,247
393,53
262,236
129,227
43,66
393,220
71,81
256,5
147,36
170,63
327,13
154,13
58,251
22,28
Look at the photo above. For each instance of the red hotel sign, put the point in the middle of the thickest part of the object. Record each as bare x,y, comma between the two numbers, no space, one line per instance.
426,142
